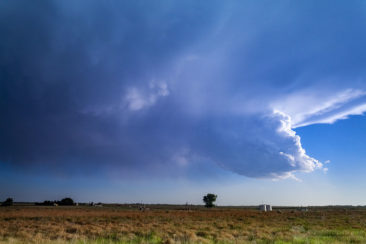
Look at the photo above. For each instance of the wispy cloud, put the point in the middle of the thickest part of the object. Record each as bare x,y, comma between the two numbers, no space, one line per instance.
322,107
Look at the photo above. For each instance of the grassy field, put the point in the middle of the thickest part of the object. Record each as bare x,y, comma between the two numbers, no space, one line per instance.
121,224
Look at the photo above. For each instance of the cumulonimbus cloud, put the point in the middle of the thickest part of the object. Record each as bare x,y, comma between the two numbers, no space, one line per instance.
163,88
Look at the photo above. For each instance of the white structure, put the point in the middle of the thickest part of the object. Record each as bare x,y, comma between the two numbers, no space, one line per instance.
268,207
262,207
265,207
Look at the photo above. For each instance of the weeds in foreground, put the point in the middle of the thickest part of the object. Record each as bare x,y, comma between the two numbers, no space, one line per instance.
116,225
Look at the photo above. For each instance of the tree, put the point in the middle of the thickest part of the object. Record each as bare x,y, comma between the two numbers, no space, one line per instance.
209,200
66,201
8,202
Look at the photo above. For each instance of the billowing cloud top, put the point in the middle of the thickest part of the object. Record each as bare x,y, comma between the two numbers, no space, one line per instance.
165,87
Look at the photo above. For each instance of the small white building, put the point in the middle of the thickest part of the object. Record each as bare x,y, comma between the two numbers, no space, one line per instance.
265,207
262,207
268,207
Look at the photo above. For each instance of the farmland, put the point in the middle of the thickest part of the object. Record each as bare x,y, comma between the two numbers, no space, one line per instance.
175,224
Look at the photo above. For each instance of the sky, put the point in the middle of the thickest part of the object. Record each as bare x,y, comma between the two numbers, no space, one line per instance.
165,101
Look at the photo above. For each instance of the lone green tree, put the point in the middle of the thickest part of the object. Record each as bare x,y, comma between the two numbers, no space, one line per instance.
209,200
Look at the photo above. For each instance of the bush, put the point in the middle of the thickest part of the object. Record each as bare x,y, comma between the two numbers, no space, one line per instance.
66,202
8,202
46,203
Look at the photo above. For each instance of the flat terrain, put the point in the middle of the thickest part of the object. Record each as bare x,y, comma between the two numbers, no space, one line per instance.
126,224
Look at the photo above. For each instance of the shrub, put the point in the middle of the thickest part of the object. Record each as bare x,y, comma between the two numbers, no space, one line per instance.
45,203
8,202
66,202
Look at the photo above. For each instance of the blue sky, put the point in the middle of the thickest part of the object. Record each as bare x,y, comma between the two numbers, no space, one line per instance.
162,102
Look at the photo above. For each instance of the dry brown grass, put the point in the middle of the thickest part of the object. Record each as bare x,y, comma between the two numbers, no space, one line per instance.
113,224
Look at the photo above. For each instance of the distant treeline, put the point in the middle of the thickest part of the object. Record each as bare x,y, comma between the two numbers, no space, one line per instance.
64,202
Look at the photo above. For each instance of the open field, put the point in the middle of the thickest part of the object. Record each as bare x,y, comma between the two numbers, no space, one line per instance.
123,224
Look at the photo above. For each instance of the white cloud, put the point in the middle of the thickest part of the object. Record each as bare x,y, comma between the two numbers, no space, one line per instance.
138,99
343,114
295,154
315,106
135,99
261,146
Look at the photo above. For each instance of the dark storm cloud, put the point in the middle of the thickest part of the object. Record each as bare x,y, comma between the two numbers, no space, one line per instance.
166,87
59,59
